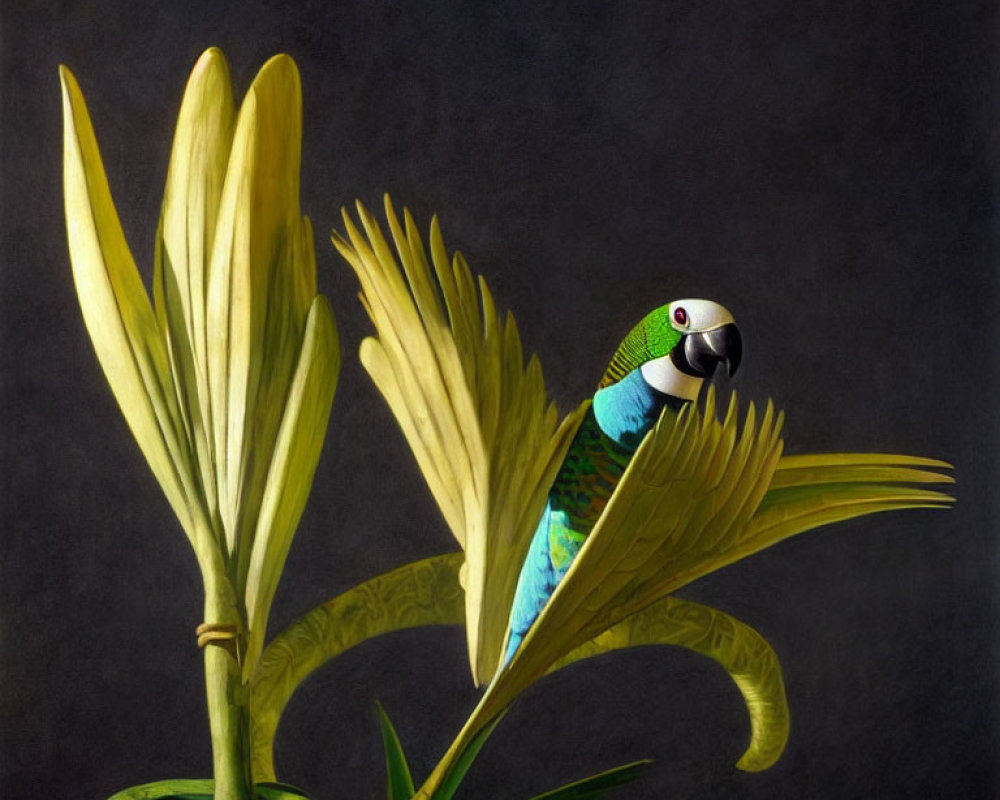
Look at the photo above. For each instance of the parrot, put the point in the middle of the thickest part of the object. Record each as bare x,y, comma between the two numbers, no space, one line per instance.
661,364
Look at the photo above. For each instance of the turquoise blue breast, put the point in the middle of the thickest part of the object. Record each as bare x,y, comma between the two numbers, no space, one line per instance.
612,429
621,415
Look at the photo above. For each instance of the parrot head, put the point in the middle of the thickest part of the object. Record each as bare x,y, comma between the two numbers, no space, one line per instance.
677,346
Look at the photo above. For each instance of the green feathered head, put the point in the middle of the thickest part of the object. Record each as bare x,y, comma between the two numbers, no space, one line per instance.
677,346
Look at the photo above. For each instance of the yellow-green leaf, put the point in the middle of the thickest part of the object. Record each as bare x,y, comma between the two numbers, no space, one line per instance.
296,453
260,274
739,649
427,593
819,468
184,244
422,593
824,460
787,512
119,317
202,789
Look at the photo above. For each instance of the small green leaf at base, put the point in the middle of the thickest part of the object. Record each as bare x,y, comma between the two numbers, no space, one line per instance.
596,785
425,592
202,789
177,787
272,790
397,772
464,760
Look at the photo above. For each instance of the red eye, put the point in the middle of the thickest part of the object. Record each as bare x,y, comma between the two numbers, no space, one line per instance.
680,316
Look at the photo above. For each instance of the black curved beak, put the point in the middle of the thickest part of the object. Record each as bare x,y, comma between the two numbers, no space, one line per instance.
699,354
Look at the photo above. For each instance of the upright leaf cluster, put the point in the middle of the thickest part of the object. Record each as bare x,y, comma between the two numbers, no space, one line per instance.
227,378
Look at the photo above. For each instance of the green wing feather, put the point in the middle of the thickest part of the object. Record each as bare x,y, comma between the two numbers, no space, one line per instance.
477,419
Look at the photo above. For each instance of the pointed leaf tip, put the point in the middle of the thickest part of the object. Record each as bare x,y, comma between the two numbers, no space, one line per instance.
211,58
398,779
116,308
597,786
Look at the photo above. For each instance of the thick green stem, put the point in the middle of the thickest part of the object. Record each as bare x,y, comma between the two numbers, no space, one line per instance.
228,700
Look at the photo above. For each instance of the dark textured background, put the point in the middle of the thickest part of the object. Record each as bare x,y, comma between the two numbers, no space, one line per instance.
823,168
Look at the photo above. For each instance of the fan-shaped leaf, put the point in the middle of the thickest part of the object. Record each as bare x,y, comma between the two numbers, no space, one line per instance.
476,417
